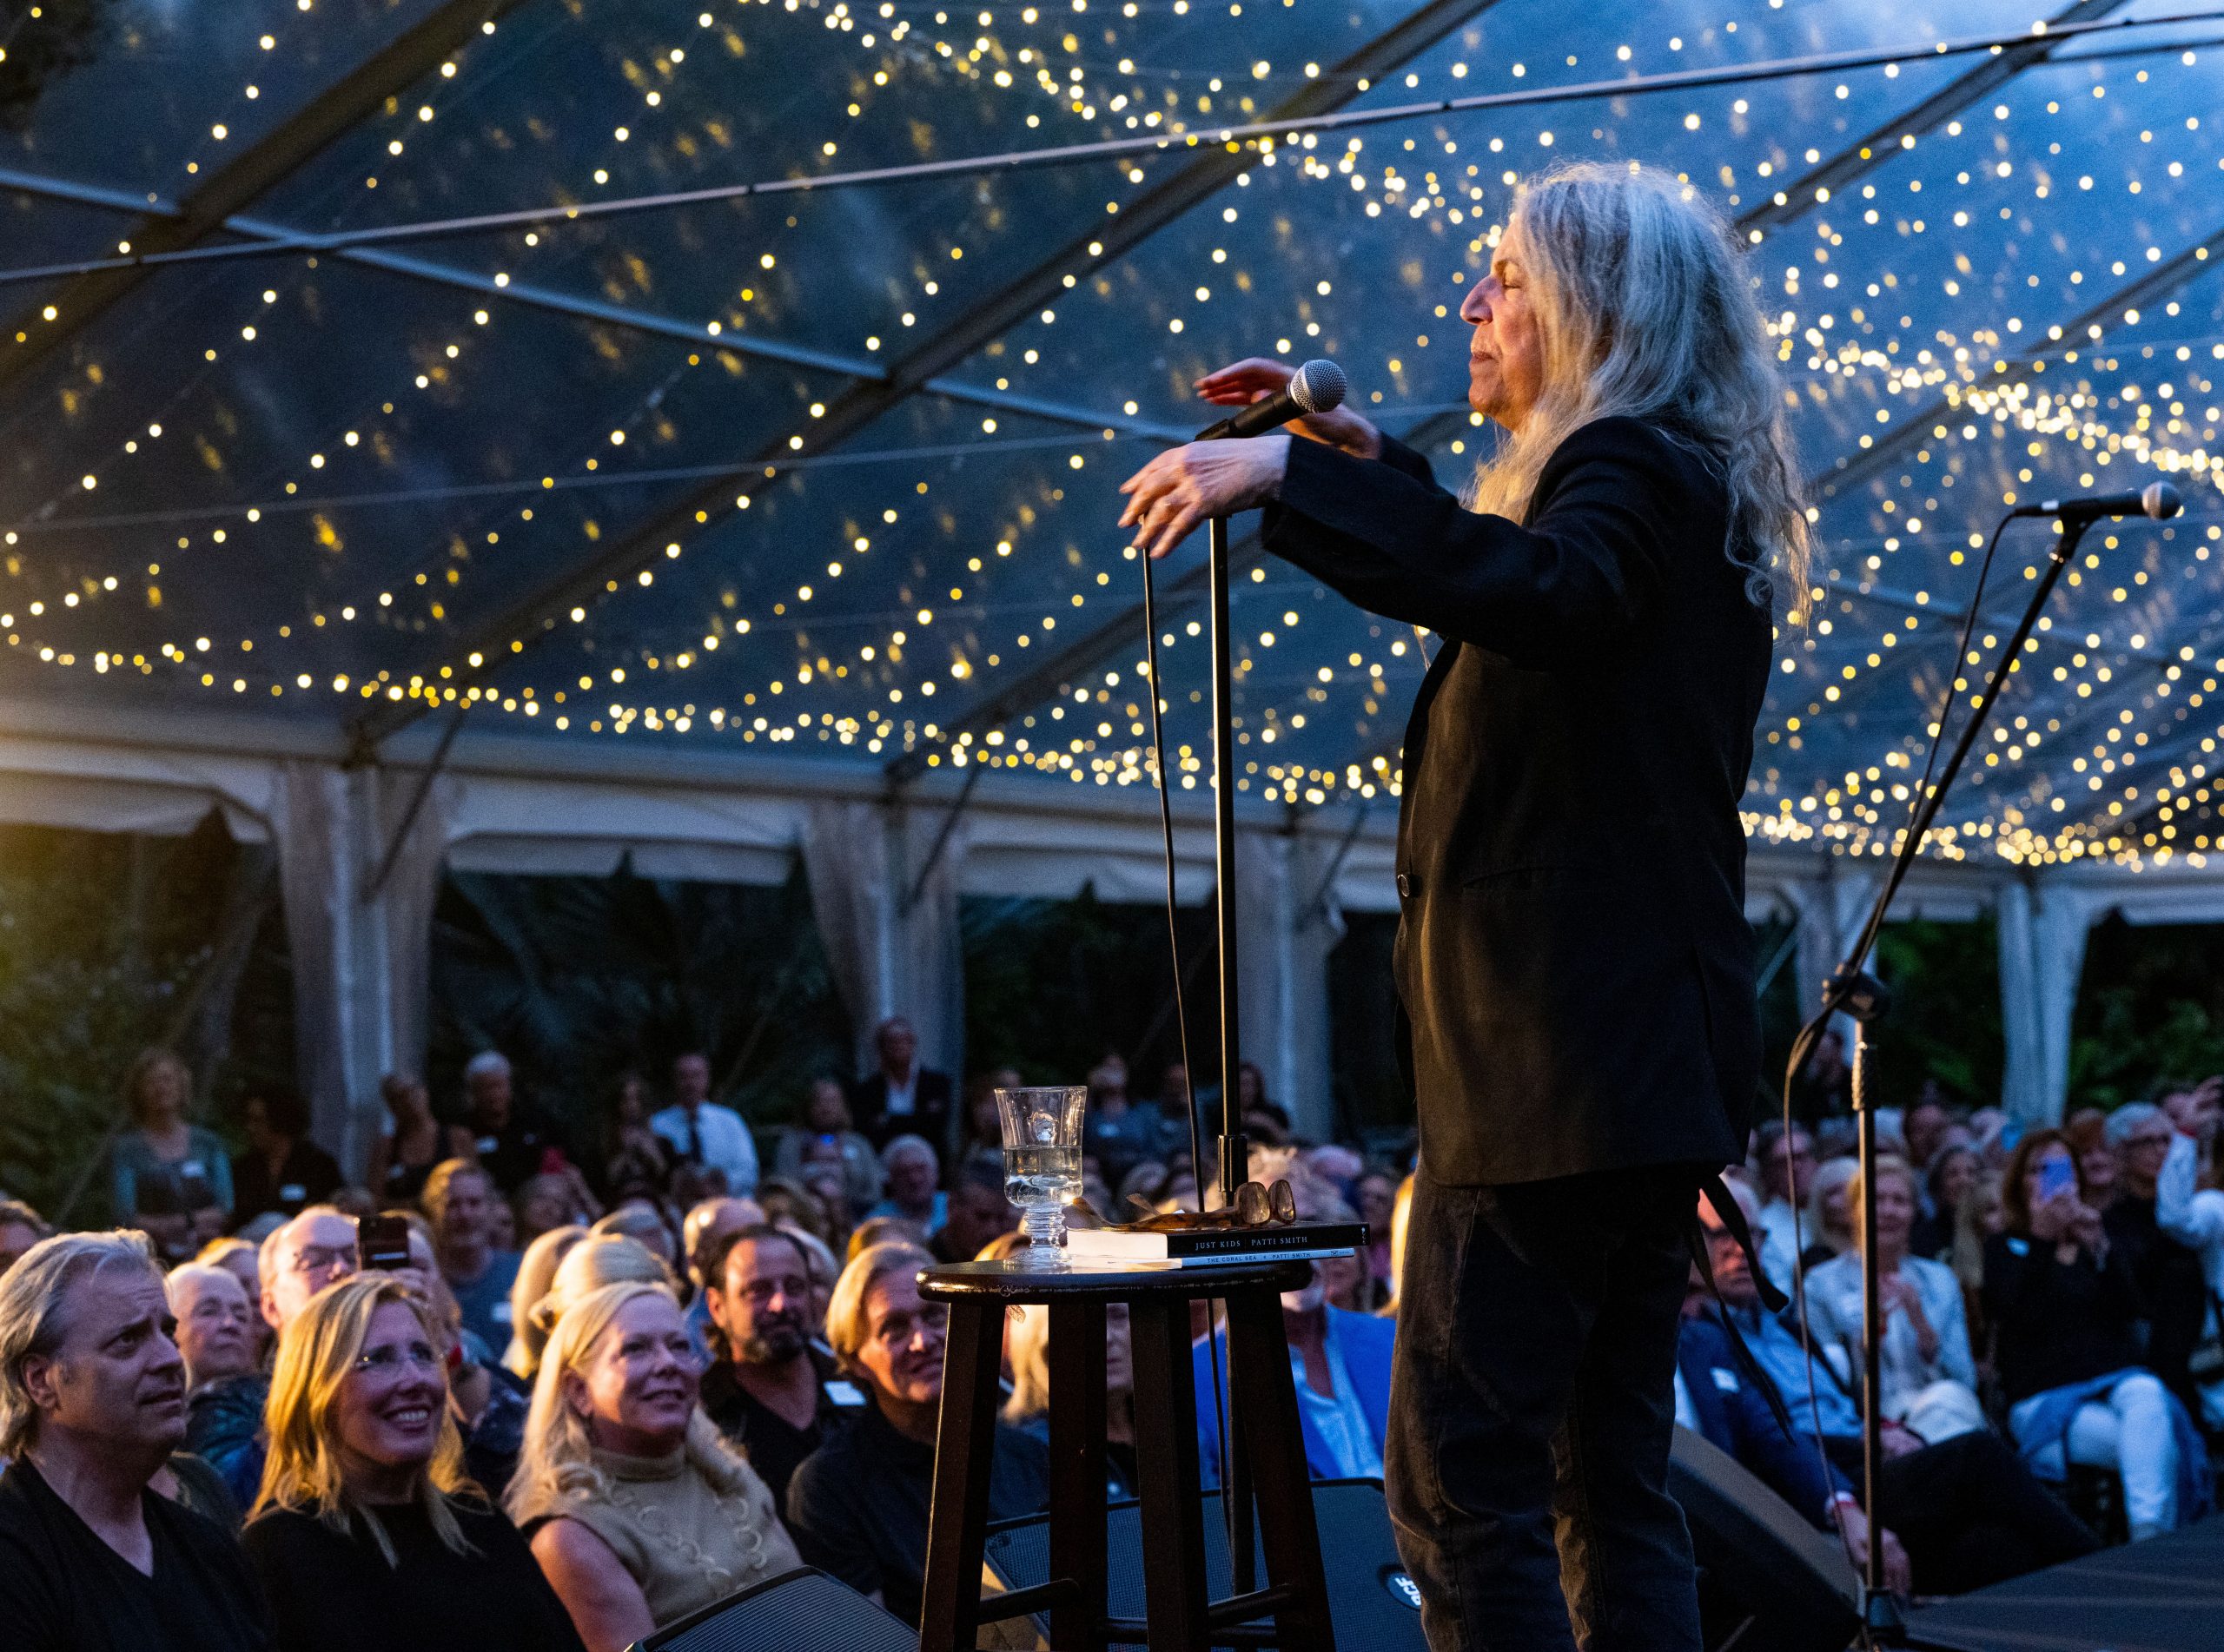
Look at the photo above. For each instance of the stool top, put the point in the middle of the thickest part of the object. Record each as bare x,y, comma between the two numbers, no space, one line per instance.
1012,1280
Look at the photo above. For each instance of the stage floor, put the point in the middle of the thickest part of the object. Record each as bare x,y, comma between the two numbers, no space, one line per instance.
2166,1594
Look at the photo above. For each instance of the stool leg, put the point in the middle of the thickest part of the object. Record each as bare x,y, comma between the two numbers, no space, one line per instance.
1077,1441
1264,1394
1166,1459
965,1444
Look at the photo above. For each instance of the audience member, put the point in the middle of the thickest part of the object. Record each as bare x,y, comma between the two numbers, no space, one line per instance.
282,1170
215,1331
2193,1216
536,1273
978,1212
827,1183
510,1146
1265,1120
648,1224
20,1227
633,1157
1924,1129
1824,1085
1966,1510
169,1178
1952,1169
2064,1311
785,1201
826,1133
1340,1362
1829,1216
367,1533
885,1230
1026,1348
984,1141
700,1132
595,1261
639,1512
1119,1134
546,1203
2172,1294
2197,1112
1375,1197
2086,1131
237,1256
1928,1375
826,1270
858,1504
1785,1164
411,1145
92,1404
224,1419
770,1390
899,1096
912,1172
457,1198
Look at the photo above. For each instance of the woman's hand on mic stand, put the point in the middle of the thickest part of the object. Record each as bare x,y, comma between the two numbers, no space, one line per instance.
1184,486
1255,378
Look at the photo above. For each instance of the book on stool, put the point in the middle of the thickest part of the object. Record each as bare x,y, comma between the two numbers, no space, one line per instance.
1214,1247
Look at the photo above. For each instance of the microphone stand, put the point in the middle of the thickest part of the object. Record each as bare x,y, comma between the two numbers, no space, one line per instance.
1851,991
1235,1152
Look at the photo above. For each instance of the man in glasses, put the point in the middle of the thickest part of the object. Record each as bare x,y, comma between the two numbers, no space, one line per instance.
858,1506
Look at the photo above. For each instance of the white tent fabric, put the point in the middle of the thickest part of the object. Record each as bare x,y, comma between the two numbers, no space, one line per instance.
506,804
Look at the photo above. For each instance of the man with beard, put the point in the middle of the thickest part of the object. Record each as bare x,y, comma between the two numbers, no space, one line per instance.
770,1392
92,1404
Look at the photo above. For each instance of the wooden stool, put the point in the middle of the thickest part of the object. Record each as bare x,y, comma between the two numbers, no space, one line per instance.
1178,1618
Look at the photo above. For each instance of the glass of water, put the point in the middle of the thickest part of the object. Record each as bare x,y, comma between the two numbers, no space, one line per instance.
1042,1125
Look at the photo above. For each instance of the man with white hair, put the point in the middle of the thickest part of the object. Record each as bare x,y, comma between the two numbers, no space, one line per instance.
2169,1273
92,1404
910,1171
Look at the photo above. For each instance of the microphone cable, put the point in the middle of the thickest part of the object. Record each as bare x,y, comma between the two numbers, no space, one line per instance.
1181,1009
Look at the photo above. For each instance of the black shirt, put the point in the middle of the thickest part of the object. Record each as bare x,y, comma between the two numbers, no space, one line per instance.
774,1446
2170,1283
309,1176
858,1507
515,1153
63,1590
330,1592
2058,1322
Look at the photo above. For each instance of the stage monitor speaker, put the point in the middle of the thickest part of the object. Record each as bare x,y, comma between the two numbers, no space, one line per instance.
1768,1578
1371,1600
802,1610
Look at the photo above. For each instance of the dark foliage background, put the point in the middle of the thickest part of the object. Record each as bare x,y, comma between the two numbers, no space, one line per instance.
1052,986
579,980
109,944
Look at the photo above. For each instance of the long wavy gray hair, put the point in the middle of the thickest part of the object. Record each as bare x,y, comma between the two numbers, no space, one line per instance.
1644,310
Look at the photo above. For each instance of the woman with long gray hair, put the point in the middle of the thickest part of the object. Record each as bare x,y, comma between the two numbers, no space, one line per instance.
1572,959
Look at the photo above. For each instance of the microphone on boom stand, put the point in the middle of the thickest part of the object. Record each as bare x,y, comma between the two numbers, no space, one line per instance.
1317,386
1853,992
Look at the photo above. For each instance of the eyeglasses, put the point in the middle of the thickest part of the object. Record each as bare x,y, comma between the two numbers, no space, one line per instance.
1256,1205
316,1259
418,1356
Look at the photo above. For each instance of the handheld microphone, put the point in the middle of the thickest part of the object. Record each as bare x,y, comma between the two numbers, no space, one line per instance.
1316,387
2157,499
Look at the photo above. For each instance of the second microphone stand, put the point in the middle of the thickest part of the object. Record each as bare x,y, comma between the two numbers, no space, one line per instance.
1859,995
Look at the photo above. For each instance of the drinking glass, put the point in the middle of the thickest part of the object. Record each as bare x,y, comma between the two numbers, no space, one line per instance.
1041,1126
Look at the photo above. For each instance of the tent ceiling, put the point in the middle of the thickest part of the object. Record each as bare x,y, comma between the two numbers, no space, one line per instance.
320,486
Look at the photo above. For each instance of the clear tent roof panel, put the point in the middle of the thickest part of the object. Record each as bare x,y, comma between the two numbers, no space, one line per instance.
613,340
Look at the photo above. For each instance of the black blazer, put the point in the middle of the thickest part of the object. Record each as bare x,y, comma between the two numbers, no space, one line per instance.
1573,961
929,1114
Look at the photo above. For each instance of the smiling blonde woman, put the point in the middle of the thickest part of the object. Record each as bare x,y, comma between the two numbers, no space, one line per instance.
366,1534
639,1511
1572,954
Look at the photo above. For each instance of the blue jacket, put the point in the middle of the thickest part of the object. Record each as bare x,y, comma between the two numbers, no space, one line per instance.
1733,1414
1364,1342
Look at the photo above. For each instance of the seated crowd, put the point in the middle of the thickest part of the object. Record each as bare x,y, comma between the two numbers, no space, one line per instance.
610,1383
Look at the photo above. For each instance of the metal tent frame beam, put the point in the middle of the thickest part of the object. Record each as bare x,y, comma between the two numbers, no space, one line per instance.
598,311
2166,277
1865,155
508,633
1044,680
322,118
